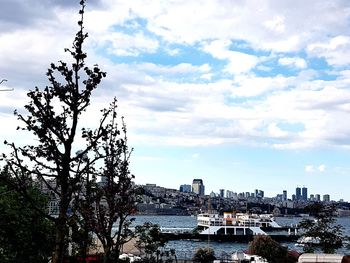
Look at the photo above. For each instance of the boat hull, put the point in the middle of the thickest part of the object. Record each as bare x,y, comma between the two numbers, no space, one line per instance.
225,238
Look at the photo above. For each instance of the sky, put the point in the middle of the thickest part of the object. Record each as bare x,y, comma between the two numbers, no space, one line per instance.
243,94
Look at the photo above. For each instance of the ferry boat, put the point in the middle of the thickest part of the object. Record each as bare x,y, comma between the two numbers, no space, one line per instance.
236,224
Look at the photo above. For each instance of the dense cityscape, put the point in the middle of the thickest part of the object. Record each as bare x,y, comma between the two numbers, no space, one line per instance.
191,199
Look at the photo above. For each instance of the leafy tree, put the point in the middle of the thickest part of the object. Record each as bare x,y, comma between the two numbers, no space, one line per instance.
150,240
269,249
322,228
204,255
53,119
25,235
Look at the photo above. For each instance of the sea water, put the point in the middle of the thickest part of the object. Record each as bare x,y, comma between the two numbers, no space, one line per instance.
186,248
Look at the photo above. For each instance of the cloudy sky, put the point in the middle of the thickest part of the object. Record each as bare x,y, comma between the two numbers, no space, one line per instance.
243,94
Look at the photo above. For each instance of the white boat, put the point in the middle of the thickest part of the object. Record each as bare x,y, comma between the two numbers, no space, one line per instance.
238,257
303,241
235,224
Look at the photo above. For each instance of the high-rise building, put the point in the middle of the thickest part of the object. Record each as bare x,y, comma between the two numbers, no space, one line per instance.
261,193
298,193
304,193
279,197
185,188
229,194
198,186
326,198
222,193
318,198
284,197
312,197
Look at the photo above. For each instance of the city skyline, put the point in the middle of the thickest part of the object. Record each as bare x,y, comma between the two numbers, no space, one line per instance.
240,94
293,195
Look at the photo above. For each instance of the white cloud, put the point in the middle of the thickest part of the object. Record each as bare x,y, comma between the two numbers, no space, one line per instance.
238,62
245,109
276,24
335,50
309,168
241,62
182,68
322,168
121,44
251,85
295,62
312,168
275,131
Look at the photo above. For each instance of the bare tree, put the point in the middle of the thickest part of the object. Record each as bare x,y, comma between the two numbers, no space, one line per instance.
115,198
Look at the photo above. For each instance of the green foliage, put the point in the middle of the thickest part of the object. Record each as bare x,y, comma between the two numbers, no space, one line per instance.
323,228
25,235
269,249
150,240
204,255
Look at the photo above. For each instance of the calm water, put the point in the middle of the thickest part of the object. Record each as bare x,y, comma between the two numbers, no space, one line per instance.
185,248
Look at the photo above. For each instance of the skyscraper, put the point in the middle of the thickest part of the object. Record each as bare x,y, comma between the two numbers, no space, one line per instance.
318,197
304,193
284,197
222,193
198,186
326,198
298,193
261,193
185,188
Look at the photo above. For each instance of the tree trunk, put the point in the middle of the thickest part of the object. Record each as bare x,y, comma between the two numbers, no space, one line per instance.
61,227
58,253
107,254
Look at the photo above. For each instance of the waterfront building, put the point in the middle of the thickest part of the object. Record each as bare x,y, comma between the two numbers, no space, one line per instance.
185,188
157,191
284,197
222,193
298,193
261,194
229,194
279,198
312,197
304,193
326,198
318,198
198,187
